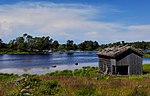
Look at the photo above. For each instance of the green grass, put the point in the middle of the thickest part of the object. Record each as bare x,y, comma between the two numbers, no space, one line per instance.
146,55
79,82
146,68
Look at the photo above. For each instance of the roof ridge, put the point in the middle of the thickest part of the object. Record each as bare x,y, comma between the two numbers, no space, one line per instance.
115,51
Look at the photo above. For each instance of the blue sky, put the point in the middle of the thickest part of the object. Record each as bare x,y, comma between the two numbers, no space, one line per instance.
105,21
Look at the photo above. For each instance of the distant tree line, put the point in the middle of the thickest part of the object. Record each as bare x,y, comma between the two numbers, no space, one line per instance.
140,45
28,43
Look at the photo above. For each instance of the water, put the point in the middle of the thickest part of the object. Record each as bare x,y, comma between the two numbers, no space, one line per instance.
40,64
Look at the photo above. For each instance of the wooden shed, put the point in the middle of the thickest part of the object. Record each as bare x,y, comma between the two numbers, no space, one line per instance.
121,60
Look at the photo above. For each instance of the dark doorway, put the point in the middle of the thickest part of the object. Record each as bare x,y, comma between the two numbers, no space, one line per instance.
122,70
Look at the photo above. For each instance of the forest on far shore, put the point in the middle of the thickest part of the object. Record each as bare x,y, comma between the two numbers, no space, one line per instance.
29,44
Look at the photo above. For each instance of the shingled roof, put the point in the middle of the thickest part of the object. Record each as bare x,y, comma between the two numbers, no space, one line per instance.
115,51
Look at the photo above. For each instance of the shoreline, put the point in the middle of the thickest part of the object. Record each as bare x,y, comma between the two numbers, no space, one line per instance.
38,53
48,69
146,55
45,69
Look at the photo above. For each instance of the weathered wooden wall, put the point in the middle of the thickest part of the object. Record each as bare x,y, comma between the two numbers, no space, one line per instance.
136,64
133,61
103,62
128,58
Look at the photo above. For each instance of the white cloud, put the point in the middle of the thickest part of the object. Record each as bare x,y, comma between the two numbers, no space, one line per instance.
66,21
143,28
5,28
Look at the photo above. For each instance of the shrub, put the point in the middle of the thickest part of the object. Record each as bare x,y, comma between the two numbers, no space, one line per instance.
102,77
30,82
135,77
85,92
6,77
53,73
36,87
77,72
65,73
146,68
50,87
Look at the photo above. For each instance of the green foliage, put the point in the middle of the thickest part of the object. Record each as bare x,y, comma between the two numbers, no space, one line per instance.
69,45
50,87
84,72
2,45
146,68
77,72
27,43
7,77
55,45
102,77
7,87
87,71
30,82
61,73
36,87
136,77
146,55
81,82
85,92
62,47
88,45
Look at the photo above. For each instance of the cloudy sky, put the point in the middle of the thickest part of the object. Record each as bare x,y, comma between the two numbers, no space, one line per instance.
105,21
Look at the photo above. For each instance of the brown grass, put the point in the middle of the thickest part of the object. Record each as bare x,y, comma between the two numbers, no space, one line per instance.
115,87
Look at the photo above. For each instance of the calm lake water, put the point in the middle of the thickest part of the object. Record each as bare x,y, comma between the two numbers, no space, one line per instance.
40,64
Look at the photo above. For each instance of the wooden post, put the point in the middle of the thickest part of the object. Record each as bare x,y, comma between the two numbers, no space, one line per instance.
111,69
128,70
115,70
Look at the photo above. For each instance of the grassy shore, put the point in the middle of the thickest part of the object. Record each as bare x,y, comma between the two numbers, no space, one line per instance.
146,55
80,82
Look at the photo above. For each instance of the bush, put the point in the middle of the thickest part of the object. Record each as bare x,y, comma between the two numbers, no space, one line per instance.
146,68
85,92
53,73
6,77
77,72
31,82
135,77
86,71
36,87
65,73
50,87
102,77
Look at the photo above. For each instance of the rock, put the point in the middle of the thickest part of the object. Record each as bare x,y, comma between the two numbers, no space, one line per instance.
26,94
53,66
23,90
76,63
20,80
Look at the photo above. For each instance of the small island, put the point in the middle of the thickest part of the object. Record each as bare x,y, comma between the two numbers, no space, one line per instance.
28,44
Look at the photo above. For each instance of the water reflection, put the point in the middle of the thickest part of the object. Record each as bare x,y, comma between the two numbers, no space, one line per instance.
43,70
41,64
